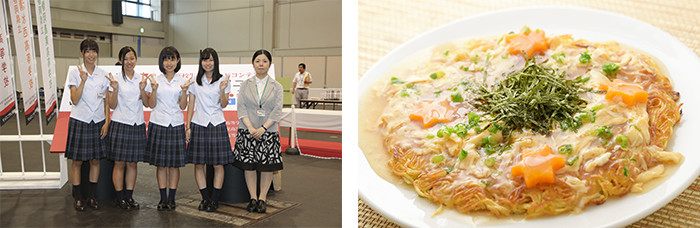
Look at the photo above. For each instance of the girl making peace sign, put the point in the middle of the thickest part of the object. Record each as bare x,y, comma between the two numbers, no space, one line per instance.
127,131
88,124
166,130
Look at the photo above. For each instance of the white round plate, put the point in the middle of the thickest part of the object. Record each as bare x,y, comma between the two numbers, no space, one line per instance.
401,204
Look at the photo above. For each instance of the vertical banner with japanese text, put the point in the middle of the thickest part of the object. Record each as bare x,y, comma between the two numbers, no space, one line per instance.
7,82
26,60
48,63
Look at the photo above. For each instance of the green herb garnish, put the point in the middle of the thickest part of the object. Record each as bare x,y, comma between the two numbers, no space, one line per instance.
572,161
489,162
622,140
437,75
430,136
448,170
535,98
462,154
624,171
487,183
584,57
610,69
447,52
559,57
395,80
565,149
438,158
457,97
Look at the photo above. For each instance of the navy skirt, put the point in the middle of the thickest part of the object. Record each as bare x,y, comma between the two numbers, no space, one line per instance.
209,145
264,155
166,145
84,141
127,142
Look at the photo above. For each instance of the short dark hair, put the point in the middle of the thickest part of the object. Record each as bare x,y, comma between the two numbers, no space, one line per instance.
302,65
262,52
122,54
169,52
89,44
206,54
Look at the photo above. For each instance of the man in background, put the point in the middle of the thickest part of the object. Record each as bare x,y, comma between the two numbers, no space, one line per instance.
300,84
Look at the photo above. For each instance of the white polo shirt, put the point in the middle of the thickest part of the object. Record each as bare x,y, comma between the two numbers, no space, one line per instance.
90,107
167,111
206,102
298,81
129,108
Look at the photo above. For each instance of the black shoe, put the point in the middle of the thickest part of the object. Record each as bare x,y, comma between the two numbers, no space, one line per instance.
162,205
79,205
123,205
92,203
171,205
251,206
203,205
261,207
212,206
133,204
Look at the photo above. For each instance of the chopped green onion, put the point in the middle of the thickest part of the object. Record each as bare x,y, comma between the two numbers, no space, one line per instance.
489,140
610,68
527,30
624,171
395,80
596,107
487,183
448,170
604,132
559,57
437,75
464,68
565,149
461,130
635,127
457,97
444,131
430,136
584,57
572,161
622,140
438,158
437,93
447,52
489,162
634,160
462,154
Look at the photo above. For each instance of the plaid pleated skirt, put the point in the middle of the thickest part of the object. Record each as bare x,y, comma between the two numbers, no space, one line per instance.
165,146
127,142
209,145
84,141
264,155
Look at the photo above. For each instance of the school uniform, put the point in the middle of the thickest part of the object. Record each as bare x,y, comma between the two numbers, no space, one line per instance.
259,100
127,130
87,117
209,141
166,128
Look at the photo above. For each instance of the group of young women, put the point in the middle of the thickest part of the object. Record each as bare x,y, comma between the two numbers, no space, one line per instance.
171,141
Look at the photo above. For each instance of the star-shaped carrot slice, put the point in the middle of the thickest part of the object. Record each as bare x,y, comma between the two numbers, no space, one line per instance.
538,166
431,113
528,41
630,93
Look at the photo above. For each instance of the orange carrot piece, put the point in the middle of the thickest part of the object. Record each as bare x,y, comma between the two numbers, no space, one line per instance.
431,113
538,166
528,41
629,93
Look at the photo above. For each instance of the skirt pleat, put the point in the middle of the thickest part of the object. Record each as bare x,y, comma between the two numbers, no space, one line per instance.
84,141
165,146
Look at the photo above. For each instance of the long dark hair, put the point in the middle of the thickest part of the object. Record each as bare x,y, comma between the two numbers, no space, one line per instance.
122,54
262,52
169,52
204,55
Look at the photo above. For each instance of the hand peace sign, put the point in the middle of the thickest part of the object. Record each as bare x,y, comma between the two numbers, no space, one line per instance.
142,84
187,84
113,83
224,84
154,84
83,74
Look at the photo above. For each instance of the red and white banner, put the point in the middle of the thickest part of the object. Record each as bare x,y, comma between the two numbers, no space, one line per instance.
48,63
237,74
7,82
26,59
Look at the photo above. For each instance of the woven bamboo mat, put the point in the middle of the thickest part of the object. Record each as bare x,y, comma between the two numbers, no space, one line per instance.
385,24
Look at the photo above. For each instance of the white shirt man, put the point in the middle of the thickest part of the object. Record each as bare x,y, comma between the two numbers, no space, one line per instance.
300,84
